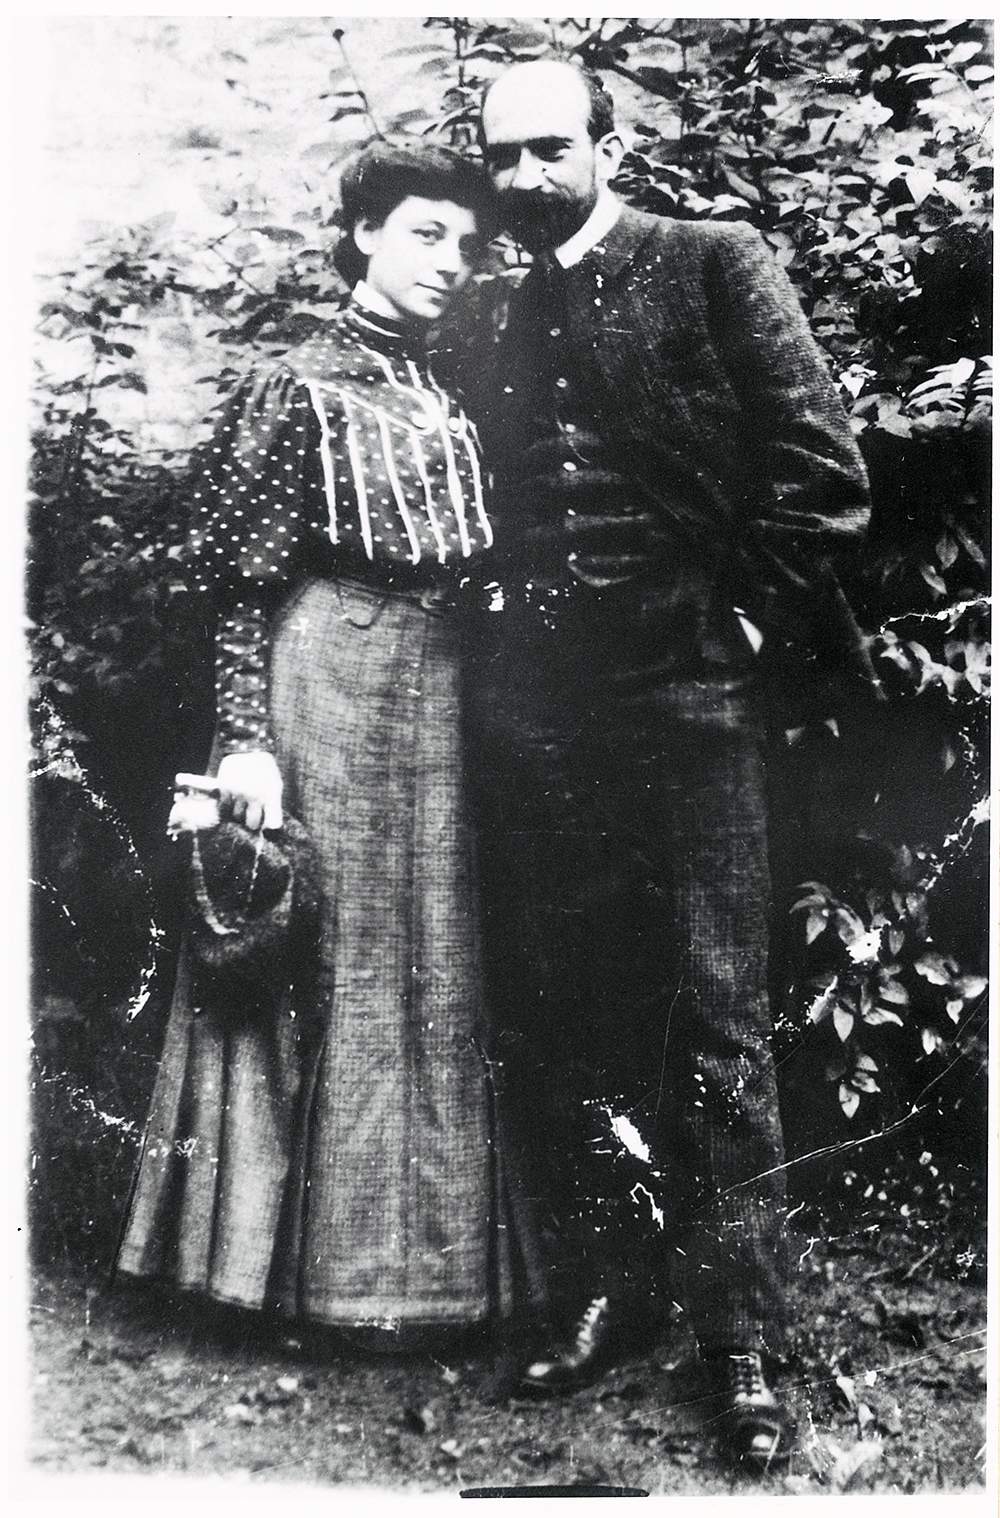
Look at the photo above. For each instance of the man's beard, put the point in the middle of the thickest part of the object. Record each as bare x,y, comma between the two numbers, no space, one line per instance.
544,221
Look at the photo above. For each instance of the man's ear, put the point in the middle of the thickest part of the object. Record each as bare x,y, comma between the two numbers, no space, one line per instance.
363,233
609,151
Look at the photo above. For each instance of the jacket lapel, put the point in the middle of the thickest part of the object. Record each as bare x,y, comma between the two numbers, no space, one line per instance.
617,250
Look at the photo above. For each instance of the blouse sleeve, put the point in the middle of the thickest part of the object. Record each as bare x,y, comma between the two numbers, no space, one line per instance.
241,655
252,518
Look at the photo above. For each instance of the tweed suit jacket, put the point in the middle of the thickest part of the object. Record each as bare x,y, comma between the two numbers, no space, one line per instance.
718,406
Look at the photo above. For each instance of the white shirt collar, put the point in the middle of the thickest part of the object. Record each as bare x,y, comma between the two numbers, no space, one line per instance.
374,301
598,224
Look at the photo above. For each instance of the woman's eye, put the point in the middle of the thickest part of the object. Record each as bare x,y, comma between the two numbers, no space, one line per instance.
428,234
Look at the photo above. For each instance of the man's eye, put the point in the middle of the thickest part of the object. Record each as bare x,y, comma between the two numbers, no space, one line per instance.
551,154
501,158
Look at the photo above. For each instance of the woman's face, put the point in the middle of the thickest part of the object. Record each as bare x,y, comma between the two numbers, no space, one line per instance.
421,255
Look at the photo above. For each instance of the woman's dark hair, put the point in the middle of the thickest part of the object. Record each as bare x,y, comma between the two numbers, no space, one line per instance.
376,180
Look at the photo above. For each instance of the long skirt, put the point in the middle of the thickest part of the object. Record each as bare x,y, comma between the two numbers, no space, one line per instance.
339,1160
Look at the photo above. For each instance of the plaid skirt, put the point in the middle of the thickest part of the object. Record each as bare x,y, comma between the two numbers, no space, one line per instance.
340,1160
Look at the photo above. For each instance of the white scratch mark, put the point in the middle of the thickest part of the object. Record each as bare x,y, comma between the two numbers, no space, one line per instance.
807,1252
657,1212
949,614
55,742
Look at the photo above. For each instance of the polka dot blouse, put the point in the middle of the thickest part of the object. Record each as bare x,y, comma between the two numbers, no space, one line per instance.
346,457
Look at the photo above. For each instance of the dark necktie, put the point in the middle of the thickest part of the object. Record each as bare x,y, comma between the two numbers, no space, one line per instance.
548,299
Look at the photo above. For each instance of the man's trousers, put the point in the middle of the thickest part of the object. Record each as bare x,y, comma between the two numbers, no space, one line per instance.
626,904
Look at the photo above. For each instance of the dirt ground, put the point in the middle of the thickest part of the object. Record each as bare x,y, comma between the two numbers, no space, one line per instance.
887,1379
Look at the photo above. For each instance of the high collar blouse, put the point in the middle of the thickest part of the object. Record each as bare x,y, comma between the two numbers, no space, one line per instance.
344,457
345,452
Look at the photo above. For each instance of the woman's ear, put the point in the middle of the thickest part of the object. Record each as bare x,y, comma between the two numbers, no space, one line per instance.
364,232
609,151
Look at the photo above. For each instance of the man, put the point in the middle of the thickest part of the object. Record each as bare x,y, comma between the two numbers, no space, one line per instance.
674,473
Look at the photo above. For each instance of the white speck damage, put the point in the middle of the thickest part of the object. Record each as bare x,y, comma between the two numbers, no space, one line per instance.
629,1136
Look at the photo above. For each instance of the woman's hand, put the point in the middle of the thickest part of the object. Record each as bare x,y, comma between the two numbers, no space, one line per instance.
250,790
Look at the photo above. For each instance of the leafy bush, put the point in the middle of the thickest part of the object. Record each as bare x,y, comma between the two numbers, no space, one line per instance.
860,150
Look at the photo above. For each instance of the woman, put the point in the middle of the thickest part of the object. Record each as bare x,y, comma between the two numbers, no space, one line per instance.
337,1161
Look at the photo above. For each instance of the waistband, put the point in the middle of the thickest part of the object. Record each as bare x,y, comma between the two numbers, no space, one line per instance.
436,596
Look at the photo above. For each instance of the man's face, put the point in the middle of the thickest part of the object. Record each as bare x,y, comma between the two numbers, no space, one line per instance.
540,155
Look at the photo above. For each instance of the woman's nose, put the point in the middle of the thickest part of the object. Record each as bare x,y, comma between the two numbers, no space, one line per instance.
450,261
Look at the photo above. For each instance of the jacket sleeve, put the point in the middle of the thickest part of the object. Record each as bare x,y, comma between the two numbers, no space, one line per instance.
255,501
809,493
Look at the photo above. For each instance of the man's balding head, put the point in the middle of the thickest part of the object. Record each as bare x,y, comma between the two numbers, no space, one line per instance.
556,74
549,144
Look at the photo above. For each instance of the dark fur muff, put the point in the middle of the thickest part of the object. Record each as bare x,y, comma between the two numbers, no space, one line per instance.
253,912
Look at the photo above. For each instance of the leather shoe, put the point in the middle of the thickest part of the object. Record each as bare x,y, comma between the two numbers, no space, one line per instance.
756,1430
578,1359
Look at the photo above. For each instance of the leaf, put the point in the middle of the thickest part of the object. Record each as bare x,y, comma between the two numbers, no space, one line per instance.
955,194
815,925
879,1015
659,81
932,968
853,381
743,186
823,1003
849,1100
813,900
724,203
280,234
895,991
963,52
933,579
920,183
947,550
970,545
843,1022
414,50
930,1040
